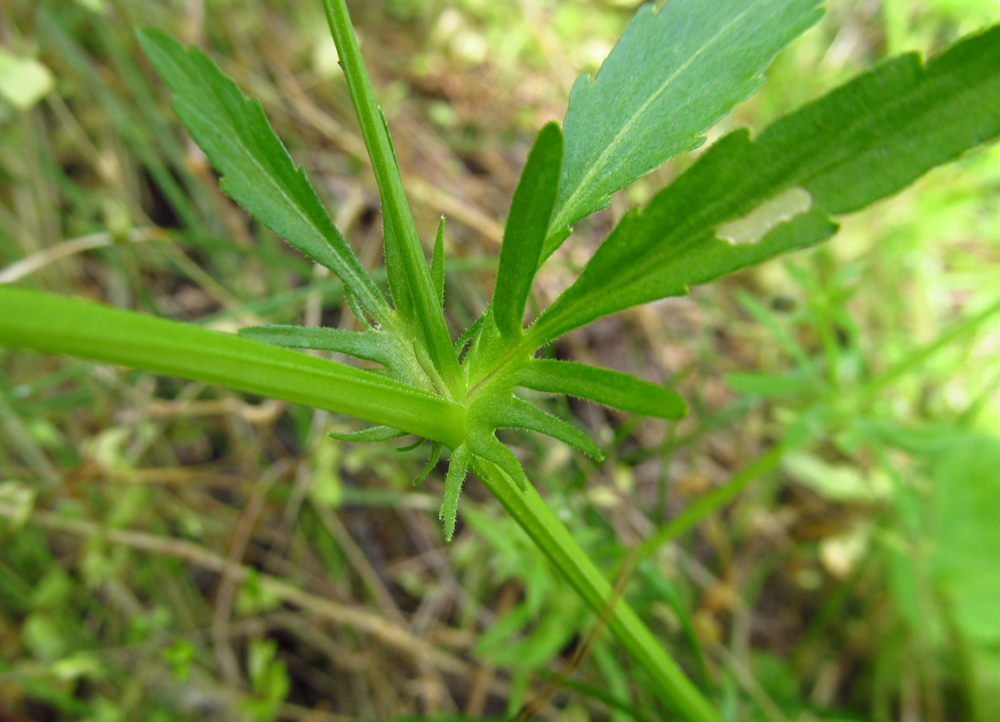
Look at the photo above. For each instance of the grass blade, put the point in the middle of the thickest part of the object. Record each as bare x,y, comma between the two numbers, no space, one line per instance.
133,131
56,324
526,228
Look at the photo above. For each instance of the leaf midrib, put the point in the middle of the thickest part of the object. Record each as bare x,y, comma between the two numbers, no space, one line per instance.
837,151
631,122
237,139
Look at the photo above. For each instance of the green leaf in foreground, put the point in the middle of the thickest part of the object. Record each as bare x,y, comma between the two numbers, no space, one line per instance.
672,75
458,466
610,388
747,200
258,173
88,330
517,414
524,235
437,263
369,345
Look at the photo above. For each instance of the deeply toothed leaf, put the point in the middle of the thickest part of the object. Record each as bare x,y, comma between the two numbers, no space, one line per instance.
672,75
610,388
257,171
746,201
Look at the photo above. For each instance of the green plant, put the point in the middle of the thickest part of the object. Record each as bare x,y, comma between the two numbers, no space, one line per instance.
672,76
925,484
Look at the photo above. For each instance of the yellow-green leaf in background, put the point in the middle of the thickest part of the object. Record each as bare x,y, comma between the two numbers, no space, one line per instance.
23,81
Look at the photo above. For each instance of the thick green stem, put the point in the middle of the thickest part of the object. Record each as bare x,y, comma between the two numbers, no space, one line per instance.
418,282
88,330
555,540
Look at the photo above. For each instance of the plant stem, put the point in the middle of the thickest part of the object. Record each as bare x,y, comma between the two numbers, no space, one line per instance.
554,539
394,204
88,330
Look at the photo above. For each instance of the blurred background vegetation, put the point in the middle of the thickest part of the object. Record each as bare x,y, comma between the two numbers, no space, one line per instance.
172,551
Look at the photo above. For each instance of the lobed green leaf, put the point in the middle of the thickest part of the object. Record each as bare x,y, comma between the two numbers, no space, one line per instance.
258,173
673,74
745,201
610,388
526,228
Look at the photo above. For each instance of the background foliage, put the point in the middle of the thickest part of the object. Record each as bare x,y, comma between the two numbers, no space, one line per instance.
173,551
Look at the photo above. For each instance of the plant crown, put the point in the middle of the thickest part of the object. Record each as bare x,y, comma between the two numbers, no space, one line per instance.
673,74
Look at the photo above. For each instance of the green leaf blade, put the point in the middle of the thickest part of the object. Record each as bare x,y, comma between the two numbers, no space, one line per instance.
257,170
672,75
368,345
100,333
606,387
437,263
746,201
518,414
458,467
485,445
527,224
431,462
888,127
371,434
